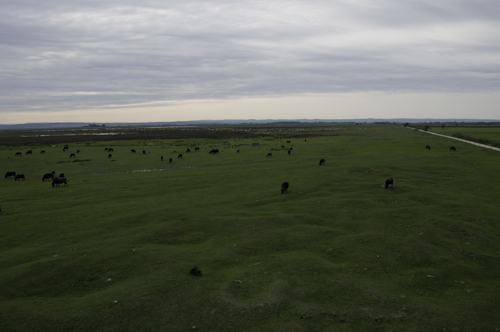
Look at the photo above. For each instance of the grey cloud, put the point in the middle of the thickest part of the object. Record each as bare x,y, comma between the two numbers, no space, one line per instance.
62,55
425,12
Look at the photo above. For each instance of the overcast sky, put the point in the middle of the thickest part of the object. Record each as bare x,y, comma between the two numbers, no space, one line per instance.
149,60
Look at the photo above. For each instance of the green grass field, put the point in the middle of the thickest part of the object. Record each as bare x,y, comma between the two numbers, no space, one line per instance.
337,252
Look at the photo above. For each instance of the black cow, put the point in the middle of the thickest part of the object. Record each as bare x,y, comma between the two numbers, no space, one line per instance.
453,148
238,151
58,181
289,152
29,152
72,155
322,162
284,186
389,182
65,148
77,151
170,161
105,149
196,149
110,150
427,147
214,151
187,151
19,177
179,156
133,151
110,155
282,146
48,176
18,154
42,152
161,158
288,142
143,151
61,175
269,155
195,272
10,174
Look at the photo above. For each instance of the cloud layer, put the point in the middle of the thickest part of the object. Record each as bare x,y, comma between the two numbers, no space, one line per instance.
70,54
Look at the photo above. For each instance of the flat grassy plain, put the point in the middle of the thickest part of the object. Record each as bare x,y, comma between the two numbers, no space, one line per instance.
337,252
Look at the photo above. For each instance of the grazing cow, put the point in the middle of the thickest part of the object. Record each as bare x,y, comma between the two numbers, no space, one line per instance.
238,151
48,176
289,152
64,149
110,150
322,162
110,155
187,151
389,182
284,186
29,152
19,177
161,158
288,142
170,161
269,155
10,174
214,151
282,146
18,154
196,149
291,149
61,175
72,155
77,151
42,152
133,151
453,148
179,156
58,181
143,151
427,147
195,272
105,149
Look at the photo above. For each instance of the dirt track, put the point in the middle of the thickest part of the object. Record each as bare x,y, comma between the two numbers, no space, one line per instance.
459,139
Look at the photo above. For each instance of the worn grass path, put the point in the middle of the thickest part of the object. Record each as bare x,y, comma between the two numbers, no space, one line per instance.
113,250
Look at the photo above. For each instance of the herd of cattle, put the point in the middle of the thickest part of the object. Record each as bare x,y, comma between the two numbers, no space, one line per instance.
61,179
56,181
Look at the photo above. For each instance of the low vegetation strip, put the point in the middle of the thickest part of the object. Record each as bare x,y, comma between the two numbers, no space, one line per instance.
477,139
461,140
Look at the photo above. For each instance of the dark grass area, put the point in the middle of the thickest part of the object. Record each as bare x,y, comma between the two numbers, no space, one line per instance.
113,250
